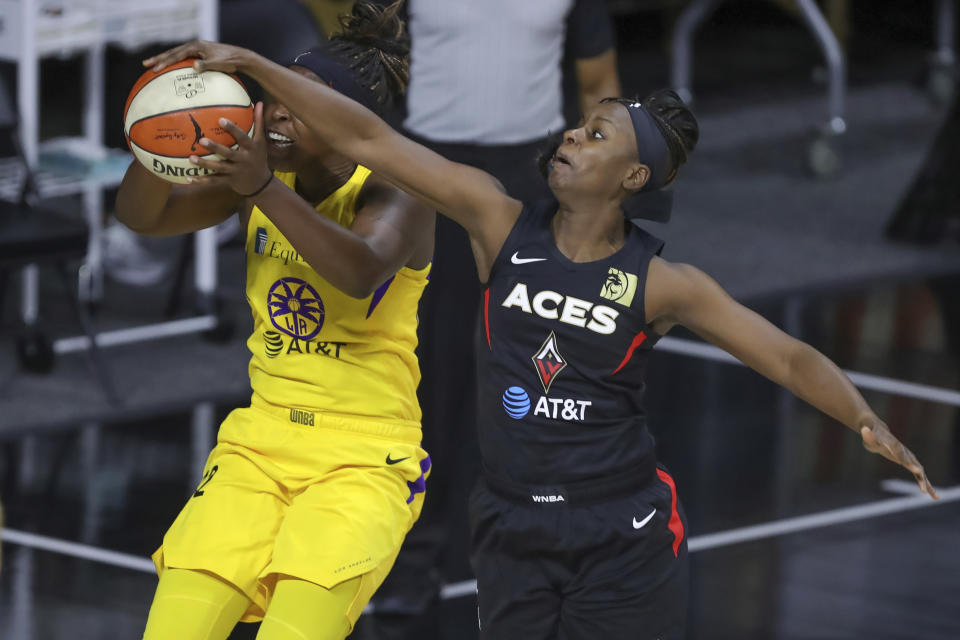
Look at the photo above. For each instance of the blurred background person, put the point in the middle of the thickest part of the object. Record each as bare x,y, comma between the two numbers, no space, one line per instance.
486,89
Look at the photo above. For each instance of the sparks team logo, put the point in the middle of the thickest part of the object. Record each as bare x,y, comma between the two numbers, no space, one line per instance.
295,308
261,244
619,287
272,343
548,362
516,402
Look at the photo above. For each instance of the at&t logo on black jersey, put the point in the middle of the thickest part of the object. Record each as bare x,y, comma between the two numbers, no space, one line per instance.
567,309
516,402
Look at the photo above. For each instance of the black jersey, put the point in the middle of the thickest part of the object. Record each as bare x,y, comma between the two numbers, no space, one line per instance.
562,353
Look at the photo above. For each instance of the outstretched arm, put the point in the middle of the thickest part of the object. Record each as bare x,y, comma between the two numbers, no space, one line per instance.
681,294
471,197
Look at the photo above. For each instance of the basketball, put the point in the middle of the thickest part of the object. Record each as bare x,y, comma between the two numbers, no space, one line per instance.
167,112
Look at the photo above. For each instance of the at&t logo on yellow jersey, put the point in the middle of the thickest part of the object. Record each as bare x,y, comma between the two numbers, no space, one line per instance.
274,345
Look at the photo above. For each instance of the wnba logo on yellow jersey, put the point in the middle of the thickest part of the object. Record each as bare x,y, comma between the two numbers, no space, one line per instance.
301,417
295,308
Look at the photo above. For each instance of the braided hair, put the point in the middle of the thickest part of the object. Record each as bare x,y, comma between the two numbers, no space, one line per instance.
675,121
374,45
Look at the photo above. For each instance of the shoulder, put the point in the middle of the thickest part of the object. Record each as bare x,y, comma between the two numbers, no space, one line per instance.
650,243
675,273
674,288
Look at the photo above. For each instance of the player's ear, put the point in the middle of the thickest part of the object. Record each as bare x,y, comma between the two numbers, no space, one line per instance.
635,177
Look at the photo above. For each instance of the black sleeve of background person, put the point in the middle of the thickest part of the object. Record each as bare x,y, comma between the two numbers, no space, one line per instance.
589,29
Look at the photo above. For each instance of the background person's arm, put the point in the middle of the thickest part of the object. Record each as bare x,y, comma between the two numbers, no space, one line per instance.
591,43
597,79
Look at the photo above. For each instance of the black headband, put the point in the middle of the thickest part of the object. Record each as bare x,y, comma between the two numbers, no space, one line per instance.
652,202
652,149
325,64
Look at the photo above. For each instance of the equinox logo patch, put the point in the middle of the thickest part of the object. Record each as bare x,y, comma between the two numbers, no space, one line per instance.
261,242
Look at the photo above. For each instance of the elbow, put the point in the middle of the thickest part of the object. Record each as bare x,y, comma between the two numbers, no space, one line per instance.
363,283
363,287
358,291
139,227
366,142
797,362
129,213
131,222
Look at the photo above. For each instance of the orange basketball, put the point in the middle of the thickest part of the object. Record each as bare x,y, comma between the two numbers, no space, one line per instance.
168,112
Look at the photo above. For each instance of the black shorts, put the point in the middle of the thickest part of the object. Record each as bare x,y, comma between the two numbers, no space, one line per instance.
582,569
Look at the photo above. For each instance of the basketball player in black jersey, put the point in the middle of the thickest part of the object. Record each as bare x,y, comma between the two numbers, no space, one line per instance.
577,534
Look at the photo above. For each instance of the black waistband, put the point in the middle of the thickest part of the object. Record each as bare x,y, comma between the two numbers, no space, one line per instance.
575,493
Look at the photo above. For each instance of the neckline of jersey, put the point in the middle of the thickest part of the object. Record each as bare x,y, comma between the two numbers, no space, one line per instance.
572,264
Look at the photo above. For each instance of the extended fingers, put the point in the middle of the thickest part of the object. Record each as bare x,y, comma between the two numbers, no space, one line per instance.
216,147
217,165
209,179
238,134
170,56
886,444
928,488
258,121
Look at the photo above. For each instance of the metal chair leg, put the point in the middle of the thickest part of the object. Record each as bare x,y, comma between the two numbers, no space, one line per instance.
684,31
823,157
941,78
836,63
97,364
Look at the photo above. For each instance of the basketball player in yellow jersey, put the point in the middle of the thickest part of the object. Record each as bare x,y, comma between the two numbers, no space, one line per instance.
310,490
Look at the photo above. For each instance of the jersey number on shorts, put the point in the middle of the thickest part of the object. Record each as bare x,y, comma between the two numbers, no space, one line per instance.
207,477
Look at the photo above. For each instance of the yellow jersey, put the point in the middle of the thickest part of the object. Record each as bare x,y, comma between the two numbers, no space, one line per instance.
317,349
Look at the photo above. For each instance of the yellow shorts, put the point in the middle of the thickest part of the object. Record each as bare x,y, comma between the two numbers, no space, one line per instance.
320,497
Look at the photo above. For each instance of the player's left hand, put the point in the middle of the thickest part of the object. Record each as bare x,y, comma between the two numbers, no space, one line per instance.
210,56
878,439
244,169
